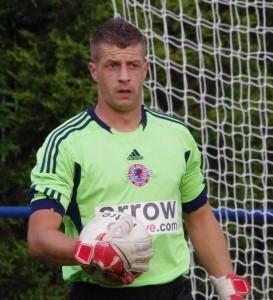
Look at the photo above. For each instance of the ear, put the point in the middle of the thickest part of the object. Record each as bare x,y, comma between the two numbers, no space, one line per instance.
146,67
93,71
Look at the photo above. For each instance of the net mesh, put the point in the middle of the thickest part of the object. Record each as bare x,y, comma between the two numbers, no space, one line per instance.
212,65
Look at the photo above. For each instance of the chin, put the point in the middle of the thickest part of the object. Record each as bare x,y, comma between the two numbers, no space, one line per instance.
125,106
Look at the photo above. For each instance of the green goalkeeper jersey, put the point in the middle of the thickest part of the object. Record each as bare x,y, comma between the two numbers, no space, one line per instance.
153,173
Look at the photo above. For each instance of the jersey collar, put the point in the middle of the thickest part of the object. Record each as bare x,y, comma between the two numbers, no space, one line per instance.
91,112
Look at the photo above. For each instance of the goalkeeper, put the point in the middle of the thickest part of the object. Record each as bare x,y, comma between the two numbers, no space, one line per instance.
119,155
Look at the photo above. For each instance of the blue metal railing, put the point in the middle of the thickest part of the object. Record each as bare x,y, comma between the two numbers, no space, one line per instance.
242,215
14,211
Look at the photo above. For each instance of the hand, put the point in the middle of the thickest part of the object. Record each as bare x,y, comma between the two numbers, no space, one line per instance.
117,253
231,287
135,252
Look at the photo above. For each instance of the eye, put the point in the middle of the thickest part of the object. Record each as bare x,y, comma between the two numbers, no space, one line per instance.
134,65
112,65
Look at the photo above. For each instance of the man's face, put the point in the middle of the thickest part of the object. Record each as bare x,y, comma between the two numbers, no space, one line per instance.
120,74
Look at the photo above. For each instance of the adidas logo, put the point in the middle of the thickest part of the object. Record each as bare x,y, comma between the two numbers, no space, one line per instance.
134,155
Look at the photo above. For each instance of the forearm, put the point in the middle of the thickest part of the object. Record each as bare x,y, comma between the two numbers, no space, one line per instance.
61,251
48,242
209,243
212,251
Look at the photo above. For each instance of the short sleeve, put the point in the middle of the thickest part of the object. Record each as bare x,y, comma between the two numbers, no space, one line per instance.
52,176
193,182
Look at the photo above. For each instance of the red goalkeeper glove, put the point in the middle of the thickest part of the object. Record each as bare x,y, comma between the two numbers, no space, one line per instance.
231,287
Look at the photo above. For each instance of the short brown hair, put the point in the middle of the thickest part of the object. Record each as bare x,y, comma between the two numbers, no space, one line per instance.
116,32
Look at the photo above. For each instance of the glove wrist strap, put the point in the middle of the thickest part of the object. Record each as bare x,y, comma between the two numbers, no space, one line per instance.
83,252
230,285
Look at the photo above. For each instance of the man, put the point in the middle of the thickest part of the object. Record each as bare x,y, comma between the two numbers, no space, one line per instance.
121,156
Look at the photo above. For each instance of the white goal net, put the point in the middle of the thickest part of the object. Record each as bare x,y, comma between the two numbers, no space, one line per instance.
212,65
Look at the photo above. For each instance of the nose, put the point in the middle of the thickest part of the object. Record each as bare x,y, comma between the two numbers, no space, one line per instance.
124,74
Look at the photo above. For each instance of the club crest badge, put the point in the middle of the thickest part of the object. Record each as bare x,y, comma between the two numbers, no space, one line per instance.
139,175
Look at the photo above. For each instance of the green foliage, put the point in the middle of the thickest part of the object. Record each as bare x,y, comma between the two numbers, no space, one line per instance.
44,80
21,277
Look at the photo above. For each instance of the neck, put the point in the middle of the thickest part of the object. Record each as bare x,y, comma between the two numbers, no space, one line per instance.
122,121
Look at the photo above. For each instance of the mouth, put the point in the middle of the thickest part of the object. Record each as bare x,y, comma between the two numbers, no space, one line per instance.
124,92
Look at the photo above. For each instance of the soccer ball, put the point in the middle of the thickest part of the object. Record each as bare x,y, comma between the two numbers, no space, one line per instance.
96,229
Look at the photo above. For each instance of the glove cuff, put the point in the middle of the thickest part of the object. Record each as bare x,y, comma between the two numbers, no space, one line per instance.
231,286
83,252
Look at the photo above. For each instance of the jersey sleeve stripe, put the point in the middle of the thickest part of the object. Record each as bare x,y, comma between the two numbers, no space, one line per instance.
50,193
51,152
53,136
54,166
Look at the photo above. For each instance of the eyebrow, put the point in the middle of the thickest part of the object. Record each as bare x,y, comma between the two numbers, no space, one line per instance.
118,61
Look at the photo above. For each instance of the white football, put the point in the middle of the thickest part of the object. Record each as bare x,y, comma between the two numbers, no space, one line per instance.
96,229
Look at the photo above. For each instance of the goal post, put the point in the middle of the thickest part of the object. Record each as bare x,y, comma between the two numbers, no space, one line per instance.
211,63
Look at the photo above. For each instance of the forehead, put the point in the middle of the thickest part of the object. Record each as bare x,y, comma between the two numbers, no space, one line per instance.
112,52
